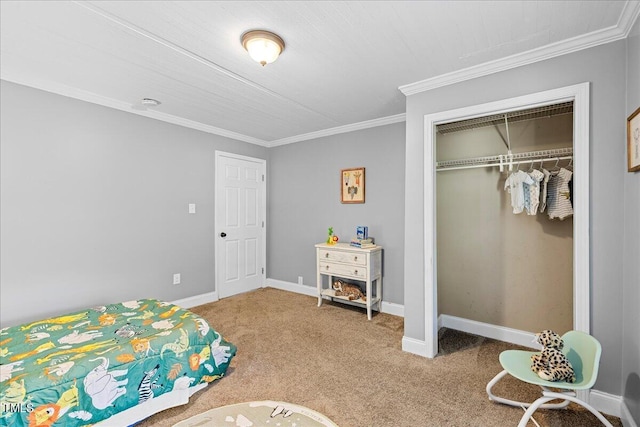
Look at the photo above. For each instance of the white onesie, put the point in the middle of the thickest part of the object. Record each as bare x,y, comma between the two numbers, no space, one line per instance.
532,199
514,185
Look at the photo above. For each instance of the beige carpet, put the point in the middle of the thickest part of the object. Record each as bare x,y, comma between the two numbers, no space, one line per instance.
333,361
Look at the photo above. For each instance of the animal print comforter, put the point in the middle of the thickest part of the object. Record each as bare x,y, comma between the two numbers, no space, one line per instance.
82,368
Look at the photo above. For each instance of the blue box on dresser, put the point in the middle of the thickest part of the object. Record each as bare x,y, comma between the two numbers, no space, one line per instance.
362,232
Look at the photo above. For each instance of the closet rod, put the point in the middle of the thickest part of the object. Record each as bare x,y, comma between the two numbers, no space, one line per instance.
491,165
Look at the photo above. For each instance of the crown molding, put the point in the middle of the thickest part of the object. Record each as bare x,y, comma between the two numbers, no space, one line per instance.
71,92
607,35
83,95
340,129
629,16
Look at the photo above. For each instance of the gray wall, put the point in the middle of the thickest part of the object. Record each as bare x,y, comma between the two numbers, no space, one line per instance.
489,259
94,205
601,66
631,287
304,200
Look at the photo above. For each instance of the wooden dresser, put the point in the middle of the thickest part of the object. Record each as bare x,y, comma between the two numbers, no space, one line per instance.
342,260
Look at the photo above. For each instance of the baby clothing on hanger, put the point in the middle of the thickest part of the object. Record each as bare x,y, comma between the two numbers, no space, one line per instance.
532,192
559,196
514,184
543,189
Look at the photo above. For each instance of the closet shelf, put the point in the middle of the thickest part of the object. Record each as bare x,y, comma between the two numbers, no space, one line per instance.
505,159
512,116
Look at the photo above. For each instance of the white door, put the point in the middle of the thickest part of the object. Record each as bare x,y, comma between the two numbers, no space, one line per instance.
239,223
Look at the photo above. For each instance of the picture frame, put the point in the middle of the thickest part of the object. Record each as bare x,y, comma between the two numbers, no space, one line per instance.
352,185
633,141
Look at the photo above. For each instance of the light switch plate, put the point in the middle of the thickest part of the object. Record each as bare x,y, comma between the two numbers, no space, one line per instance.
192,208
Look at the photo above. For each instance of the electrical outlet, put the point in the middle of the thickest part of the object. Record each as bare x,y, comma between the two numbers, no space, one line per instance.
300,280
192,208
176,279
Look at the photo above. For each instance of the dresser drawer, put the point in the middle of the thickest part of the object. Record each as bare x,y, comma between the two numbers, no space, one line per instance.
345,257
353,271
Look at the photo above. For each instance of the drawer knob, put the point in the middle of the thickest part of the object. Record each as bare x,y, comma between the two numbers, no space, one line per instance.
326,255
355,272
355,258
327,267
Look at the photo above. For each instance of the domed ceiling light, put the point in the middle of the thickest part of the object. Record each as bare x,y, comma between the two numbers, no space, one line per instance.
263,46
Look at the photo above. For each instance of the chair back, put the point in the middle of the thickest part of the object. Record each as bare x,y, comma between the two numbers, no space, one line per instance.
583,351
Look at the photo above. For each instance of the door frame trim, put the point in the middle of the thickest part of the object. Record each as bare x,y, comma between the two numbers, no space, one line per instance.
263,213
579,94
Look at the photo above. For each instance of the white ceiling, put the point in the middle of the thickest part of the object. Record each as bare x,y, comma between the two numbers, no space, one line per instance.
347,64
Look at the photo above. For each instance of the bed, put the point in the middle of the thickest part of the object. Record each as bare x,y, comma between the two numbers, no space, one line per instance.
108,365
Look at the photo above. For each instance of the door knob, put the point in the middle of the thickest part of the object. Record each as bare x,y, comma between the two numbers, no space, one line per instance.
223,234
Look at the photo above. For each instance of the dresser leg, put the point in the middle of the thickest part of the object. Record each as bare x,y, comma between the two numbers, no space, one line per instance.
369,297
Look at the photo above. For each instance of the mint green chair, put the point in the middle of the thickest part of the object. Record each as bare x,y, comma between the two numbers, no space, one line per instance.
582,350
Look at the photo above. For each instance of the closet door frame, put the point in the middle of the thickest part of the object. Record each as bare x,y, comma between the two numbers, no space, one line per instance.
579,94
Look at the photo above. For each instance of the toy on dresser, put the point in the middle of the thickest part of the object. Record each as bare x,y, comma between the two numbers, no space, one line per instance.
551,364
353,292
332,239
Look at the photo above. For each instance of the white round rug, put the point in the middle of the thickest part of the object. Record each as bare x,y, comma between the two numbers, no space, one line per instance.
265,413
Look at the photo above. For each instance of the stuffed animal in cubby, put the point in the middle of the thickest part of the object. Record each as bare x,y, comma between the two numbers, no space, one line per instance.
551,364
353,292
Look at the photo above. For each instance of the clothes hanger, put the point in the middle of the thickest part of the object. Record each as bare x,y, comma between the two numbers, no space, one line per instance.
531,167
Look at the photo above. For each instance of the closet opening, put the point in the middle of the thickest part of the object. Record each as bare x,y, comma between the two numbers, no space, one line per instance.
499,266
505,240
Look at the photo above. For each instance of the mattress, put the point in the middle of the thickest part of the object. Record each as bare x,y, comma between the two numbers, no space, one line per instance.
85,367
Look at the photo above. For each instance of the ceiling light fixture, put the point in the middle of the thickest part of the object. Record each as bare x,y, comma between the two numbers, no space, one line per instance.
263,46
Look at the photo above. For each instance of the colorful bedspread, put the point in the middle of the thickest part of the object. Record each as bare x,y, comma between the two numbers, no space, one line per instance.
82,368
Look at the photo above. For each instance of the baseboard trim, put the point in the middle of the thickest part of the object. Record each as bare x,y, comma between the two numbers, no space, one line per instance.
501,333
414,346
197,300
387,307
606,403
291,287
393,308
625,415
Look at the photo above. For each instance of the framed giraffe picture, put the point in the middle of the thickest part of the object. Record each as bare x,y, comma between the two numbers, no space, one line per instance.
352,185
633,141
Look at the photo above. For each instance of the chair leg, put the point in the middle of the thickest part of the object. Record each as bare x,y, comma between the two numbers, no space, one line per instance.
550,395
505,401
532,408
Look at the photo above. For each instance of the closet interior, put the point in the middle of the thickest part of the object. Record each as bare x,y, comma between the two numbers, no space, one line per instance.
504,258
